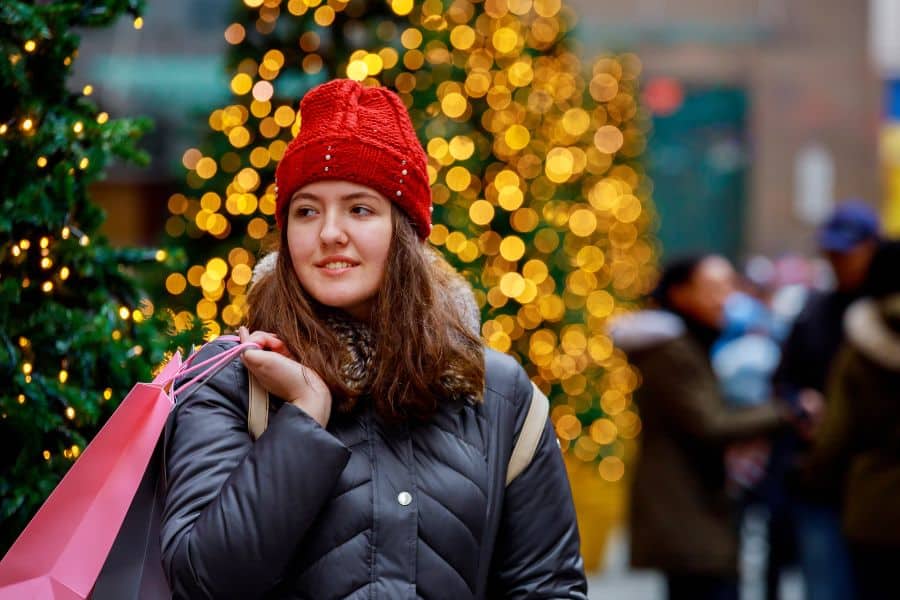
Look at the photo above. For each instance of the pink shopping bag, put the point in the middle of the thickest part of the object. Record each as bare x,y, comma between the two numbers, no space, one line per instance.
62,549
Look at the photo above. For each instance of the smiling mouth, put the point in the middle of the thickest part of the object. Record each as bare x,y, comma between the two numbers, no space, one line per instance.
337,265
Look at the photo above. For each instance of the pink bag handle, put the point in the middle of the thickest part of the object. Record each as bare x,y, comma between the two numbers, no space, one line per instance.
185,369
206,369
222,338
187,366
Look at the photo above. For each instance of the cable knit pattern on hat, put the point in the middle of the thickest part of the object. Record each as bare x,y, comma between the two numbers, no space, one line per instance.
360,134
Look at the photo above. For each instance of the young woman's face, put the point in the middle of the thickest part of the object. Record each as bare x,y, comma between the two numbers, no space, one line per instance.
338,235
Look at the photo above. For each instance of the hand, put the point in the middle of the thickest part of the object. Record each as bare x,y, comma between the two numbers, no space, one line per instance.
807,413
812,403
278,372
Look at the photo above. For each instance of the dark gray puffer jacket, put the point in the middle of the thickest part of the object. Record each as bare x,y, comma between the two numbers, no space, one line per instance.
365,510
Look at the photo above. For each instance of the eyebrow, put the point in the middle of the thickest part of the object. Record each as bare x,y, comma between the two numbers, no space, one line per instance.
345,197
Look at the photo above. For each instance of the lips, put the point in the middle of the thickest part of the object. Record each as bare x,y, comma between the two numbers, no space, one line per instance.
336,263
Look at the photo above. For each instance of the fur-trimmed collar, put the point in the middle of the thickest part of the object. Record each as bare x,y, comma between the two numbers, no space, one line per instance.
645,329
867,330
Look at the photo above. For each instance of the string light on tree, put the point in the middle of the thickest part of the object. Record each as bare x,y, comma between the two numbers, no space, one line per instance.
61,283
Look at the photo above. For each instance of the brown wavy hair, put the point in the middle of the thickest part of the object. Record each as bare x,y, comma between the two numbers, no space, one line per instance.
424,351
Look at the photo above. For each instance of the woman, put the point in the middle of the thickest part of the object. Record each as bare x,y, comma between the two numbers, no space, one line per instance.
857,444
382,472
682,521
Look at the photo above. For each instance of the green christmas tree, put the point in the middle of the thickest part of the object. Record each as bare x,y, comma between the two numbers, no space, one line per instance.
533,159
76,332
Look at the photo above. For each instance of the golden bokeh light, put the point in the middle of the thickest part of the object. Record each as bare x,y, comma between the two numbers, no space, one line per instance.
582,222
235,33
609,139
402,7
611,468
461,147
517,137
505,40
206,167
462,37
241,84
512,248
176,283
454,105
481,212
560,165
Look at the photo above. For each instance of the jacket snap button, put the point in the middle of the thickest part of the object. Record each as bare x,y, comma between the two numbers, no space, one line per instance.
404,498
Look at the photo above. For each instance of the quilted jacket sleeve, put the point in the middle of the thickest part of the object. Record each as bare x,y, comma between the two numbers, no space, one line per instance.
235,510
537,554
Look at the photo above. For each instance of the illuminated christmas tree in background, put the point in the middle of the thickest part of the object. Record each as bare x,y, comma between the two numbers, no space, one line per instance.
539,198
76,331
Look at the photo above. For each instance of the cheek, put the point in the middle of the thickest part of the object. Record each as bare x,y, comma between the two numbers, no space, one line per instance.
376,270
300,250
383,259
377,245
298,241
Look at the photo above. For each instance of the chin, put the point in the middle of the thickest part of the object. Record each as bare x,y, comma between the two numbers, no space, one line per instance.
346,303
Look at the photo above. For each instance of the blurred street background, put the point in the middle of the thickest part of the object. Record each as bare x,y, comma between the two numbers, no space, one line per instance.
575,148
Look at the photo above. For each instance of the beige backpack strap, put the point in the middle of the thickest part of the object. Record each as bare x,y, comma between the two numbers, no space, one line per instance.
530,435
258,407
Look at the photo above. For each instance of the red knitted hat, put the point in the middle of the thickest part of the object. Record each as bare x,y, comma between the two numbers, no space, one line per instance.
360,134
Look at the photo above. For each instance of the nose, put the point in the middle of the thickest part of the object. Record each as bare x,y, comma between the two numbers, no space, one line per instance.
333,230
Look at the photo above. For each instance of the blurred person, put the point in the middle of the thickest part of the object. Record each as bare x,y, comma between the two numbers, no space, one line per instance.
848,239
858,441
682,521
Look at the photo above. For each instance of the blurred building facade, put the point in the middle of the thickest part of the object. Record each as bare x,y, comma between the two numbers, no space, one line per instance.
768,111
812,96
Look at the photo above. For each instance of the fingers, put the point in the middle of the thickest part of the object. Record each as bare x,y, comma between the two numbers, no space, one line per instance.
265,341
277,369
278,374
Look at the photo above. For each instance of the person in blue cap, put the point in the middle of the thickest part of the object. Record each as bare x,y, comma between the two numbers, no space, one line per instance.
849,239
857,441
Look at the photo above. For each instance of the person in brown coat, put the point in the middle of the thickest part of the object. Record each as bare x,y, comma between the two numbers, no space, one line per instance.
858,441
681,518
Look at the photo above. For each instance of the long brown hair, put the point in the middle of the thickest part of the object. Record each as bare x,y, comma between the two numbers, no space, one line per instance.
424,351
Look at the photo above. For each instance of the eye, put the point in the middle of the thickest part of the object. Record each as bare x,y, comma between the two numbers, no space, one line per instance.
362,210
304,211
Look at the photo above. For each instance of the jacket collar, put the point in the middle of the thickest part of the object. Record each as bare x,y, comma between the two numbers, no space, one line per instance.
642,330
868,332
